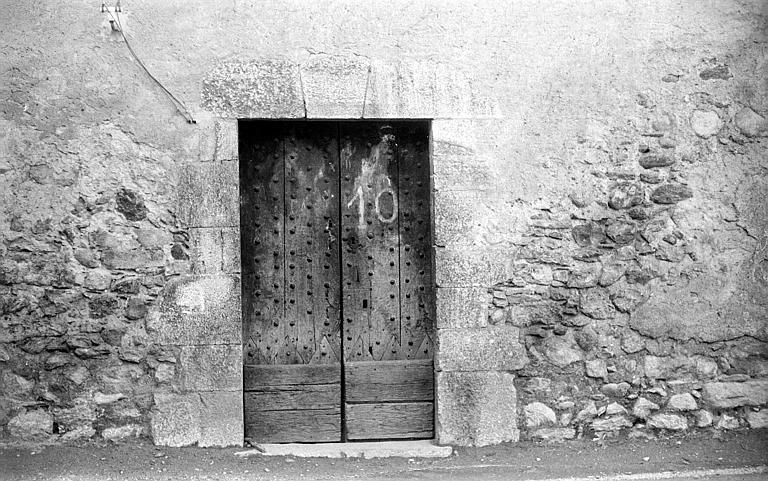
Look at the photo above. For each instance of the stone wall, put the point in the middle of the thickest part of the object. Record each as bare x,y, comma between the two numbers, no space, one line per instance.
641,299
599,175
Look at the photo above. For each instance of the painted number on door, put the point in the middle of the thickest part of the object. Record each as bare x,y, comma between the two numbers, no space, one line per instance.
377,204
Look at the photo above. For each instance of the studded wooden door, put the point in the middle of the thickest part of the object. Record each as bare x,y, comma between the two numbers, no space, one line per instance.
338,302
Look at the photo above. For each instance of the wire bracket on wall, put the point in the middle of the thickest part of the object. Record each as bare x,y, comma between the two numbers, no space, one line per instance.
116,24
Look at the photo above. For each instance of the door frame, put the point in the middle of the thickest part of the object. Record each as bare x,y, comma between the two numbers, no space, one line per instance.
465,154
413,177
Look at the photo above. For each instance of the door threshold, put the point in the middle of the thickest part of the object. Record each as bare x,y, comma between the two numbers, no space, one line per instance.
368,450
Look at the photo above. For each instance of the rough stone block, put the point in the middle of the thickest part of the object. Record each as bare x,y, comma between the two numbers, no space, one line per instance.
758,420
221,419
211,368
488,349
682,402
476,218
539,414
426,90
464,267
726,395
335,86
750,123
476,408
672,422
205,136
197,310
214,250
462,307
677,312
472,154
562,351
217,138
175,419
230,250
209,195
205,250
133,259
225,131
268,89
30,425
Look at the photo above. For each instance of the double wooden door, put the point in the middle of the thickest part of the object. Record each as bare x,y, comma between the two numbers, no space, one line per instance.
338,306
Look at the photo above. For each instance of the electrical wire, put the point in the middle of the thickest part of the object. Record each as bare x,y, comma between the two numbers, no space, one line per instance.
182,109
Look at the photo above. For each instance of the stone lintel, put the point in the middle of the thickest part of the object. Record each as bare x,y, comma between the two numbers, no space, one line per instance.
344,87
334,86
254,89
425,89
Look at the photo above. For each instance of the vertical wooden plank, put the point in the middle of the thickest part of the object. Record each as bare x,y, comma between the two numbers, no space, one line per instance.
262,190
370,280
417,305
311,242
291,295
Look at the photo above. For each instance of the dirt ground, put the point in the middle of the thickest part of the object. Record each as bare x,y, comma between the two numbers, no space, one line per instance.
140,460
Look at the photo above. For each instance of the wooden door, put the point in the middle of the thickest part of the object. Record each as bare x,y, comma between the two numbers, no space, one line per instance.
290,272
386,283
335,225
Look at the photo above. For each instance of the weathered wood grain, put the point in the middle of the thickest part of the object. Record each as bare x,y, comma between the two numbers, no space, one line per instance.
380,381
336,220
389,421
321,396
311,240
370,239
262,376
316,425
262,190
417,304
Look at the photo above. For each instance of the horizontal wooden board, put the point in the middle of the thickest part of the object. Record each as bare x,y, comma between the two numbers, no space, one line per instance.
321,396
296,426
380,381
262,375
390,421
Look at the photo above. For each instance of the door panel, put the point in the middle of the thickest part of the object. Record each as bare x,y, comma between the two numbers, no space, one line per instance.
370,237
262,189
337,292
388,310
311,243
290,249
417,308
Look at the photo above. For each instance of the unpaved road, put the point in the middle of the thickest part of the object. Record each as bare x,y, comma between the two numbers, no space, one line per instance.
513,462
